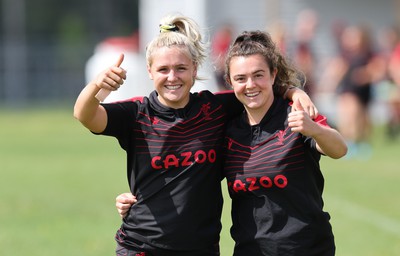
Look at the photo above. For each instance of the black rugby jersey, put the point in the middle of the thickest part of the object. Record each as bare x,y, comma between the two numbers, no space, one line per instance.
276,186
174,168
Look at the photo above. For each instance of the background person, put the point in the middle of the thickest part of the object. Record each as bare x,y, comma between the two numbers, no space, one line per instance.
351,74
220,43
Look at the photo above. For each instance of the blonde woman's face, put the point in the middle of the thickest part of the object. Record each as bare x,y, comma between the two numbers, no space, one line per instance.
173,73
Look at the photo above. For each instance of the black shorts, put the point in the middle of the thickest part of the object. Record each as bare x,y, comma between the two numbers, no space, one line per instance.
122,251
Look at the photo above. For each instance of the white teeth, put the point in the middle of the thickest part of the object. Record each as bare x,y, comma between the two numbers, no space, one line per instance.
252,94
173,87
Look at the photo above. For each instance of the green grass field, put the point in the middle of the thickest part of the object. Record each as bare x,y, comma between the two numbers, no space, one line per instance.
58,186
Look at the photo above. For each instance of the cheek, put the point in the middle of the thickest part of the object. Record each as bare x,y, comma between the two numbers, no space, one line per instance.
237,88
234,87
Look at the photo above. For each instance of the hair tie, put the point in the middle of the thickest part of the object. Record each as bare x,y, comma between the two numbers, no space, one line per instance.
168,28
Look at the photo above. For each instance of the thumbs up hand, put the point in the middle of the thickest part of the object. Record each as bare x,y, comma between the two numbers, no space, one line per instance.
110,79
297,106
302,102
300,121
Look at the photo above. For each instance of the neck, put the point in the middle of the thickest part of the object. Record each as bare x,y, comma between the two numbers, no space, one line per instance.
255,115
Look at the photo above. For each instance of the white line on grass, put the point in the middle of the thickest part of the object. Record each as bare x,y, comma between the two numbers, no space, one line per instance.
369,216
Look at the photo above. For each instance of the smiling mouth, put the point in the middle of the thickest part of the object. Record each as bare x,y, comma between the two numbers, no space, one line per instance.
173,87
252,94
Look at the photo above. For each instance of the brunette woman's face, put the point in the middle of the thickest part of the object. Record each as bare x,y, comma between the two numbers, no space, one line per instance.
252,81
173,73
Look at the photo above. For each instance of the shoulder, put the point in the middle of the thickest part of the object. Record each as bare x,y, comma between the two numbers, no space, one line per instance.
321,120
221,96
137,100
205,95
227,99
128,106
281,104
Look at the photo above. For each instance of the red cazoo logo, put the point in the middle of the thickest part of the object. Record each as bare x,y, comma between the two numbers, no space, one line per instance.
183,159
255,183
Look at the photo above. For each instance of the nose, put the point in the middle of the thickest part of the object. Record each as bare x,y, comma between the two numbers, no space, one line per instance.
171,75
250,83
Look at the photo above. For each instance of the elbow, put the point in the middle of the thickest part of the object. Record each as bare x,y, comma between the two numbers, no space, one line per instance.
77,114
337,152
340,152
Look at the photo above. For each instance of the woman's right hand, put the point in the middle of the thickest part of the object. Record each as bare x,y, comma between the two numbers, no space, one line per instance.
113,77
123,202
87,107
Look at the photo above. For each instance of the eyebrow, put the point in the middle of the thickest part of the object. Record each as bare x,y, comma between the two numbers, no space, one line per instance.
258,71
254,72
175,65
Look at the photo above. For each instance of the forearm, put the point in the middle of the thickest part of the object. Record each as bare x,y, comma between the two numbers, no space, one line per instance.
290,91
330,142
87,108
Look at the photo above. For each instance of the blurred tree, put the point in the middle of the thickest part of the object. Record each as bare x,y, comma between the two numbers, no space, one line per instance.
56,38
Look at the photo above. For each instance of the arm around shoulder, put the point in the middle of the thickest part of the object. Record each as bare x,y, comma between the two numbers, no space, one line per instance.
301,101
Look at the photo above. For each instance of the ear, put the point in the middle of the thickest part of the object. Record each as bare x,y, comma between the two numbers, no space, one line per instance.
149,72
273,75
195,70
228,80
195,74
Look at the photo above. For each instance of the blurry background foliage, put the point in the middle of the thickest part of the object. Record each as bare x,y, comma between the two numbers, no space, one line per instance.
45,43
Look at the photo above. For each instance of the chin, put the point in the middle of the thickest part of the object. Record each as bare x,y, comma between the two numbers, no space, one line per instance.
253,105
